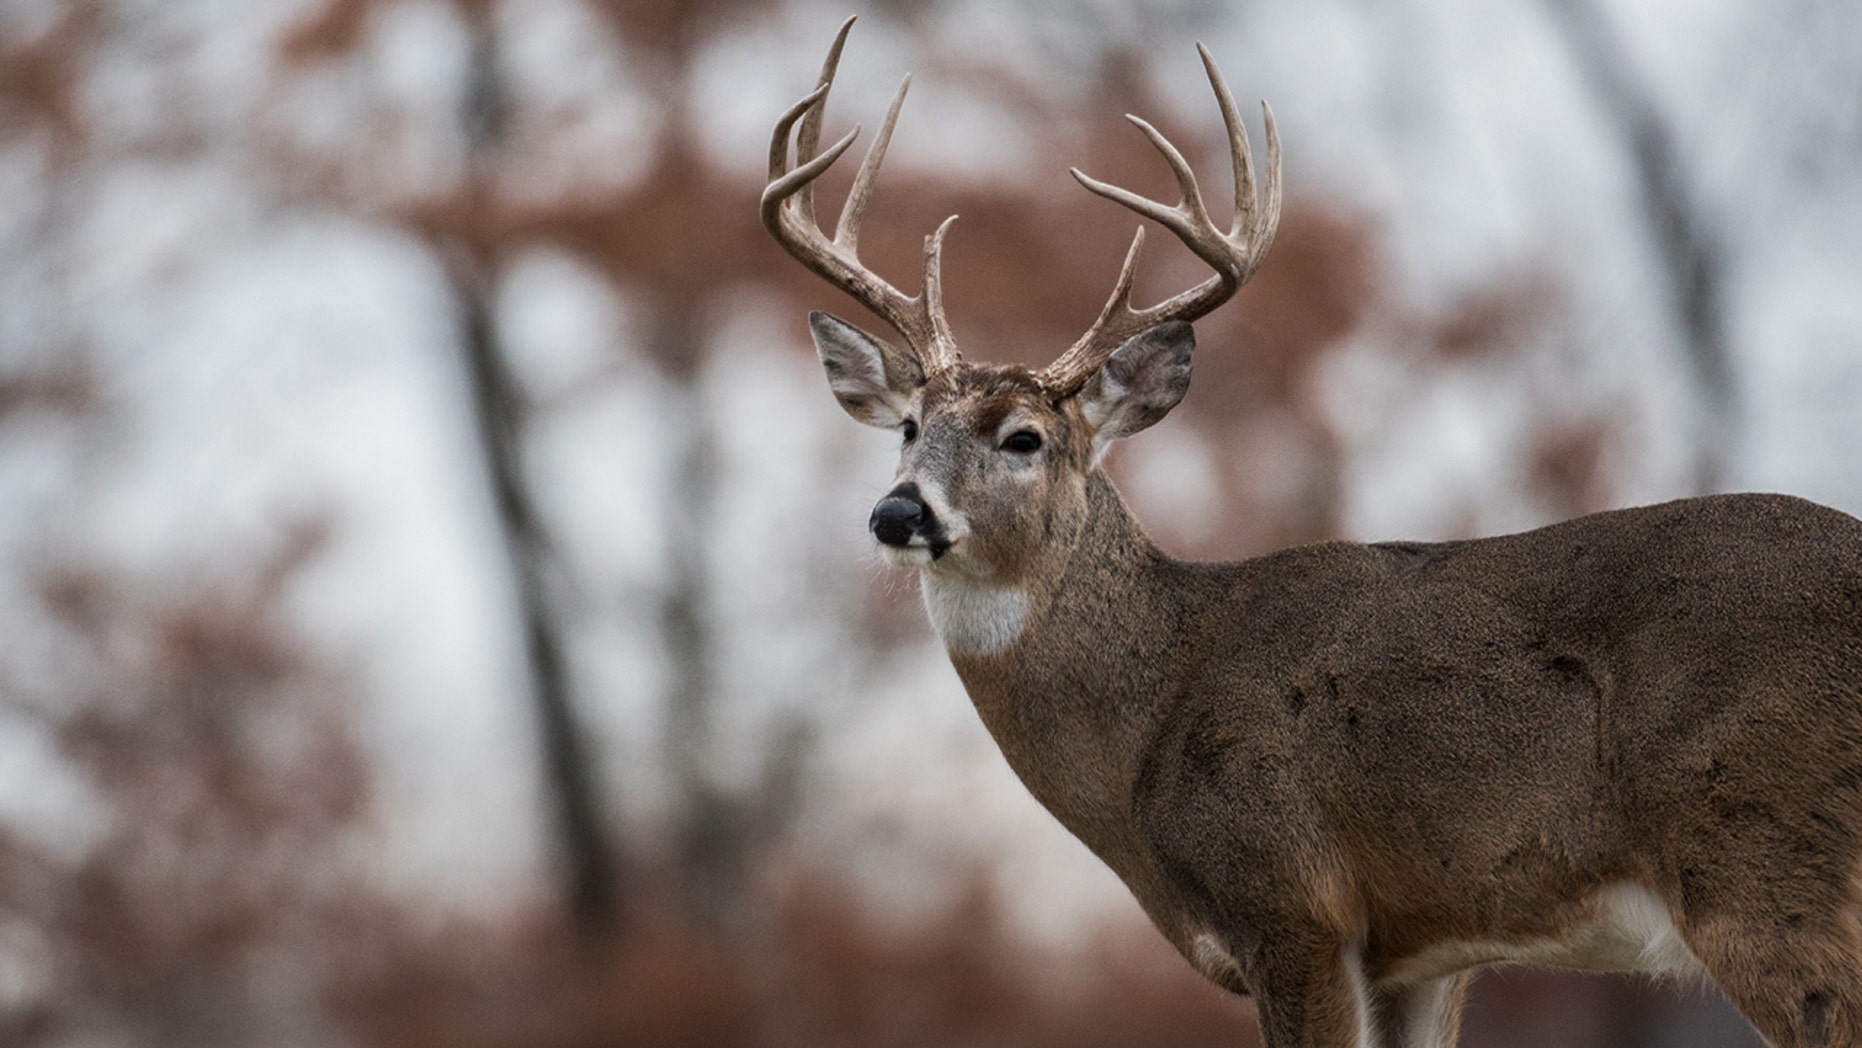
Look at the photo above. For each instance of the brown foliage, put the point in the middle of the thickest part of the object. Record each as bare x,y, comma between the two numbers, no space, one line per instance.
1569,465
58,389
330,30
812,969
686,231
227,785
1489,320
1319,289
673,27
39,76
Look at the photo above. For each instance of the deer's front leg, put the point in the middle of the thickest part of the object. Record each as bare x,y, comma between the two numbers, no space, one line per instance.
1311,992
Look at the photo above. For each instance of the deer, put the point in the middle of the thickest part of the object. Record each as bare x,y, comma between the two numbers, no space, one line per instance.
1343,777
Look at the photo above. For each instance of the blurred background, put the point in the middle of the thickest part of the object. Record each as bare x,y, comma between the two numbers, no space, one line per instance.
435,602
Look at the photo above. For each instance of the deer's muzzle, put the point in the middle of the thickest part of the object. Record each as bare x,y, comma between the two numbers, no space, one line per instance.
902,517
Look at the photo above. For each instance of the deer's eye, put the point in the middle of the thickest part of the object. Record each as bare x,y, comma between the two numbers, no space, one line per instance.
1023,441
910,429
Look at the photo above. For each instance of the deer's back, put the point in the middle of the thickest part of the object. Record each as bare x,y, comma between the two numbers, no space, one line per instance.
1470,728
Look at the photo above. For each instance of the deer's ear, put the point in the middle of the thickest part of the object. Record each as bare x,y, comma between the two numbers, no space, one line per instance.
1139,384
872,380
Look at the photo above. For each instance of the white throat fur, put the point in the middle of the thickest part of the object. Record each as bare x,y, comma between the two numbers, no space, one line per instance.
973,617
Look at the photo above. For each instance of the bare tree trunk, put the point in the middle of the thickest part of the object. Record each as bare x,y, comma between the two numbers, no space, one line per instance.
1689,250
707,835
719,829
593,866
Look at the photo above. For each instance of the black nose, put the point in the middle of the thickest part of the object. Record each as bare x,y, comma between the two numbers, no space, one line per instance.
897,517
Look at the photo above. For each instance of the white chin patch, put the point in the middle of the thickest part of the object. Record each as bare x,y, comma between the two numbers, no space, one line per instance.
973,618
913,556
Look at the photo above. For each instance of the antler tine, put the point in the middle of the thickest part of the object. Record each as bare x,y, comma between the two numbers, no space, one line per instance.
847,230
1241,159
1071,369
1255,221
1189,211
788,213
1234,255
784,182
933,294
1261,236
810,134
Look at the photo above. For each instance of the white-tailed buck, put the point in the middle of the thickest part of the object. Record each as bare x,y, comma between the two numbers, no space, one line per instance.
1342,777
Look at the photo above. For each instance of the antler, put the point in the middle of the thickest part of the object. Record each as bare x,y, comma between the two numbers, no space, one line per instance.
1234,255
788,211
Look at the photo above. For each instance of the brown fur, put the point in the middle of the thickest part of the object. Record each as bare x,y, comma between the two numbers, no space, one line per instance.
1363,751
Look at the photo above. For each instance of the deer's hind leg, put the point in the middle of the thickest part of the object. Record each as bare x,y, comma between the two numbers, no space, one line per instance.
1800,990
1785,946
1426,1015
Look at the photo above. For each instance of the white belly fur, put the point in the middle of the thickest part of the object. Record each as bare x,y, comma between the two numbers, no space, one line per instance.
1630,932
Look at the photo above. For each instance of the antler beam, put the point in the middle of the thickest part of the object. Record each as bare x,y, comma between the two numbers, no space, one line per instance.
1234,255
788,211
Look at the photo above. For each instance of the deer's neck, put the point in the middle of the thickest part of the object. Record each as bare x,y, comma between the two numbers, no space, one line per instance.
1069,668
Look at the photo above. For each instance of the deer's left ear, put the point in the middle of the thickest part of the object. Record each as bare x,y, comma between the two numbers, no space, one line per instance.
1139,384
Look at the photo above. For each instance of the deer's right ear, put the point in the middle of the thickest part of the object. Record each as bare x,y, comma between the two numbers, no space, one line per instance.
872,380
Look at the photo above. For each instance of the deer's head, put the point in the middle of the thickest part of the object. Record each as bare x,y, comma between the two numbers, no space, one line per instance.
994,458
